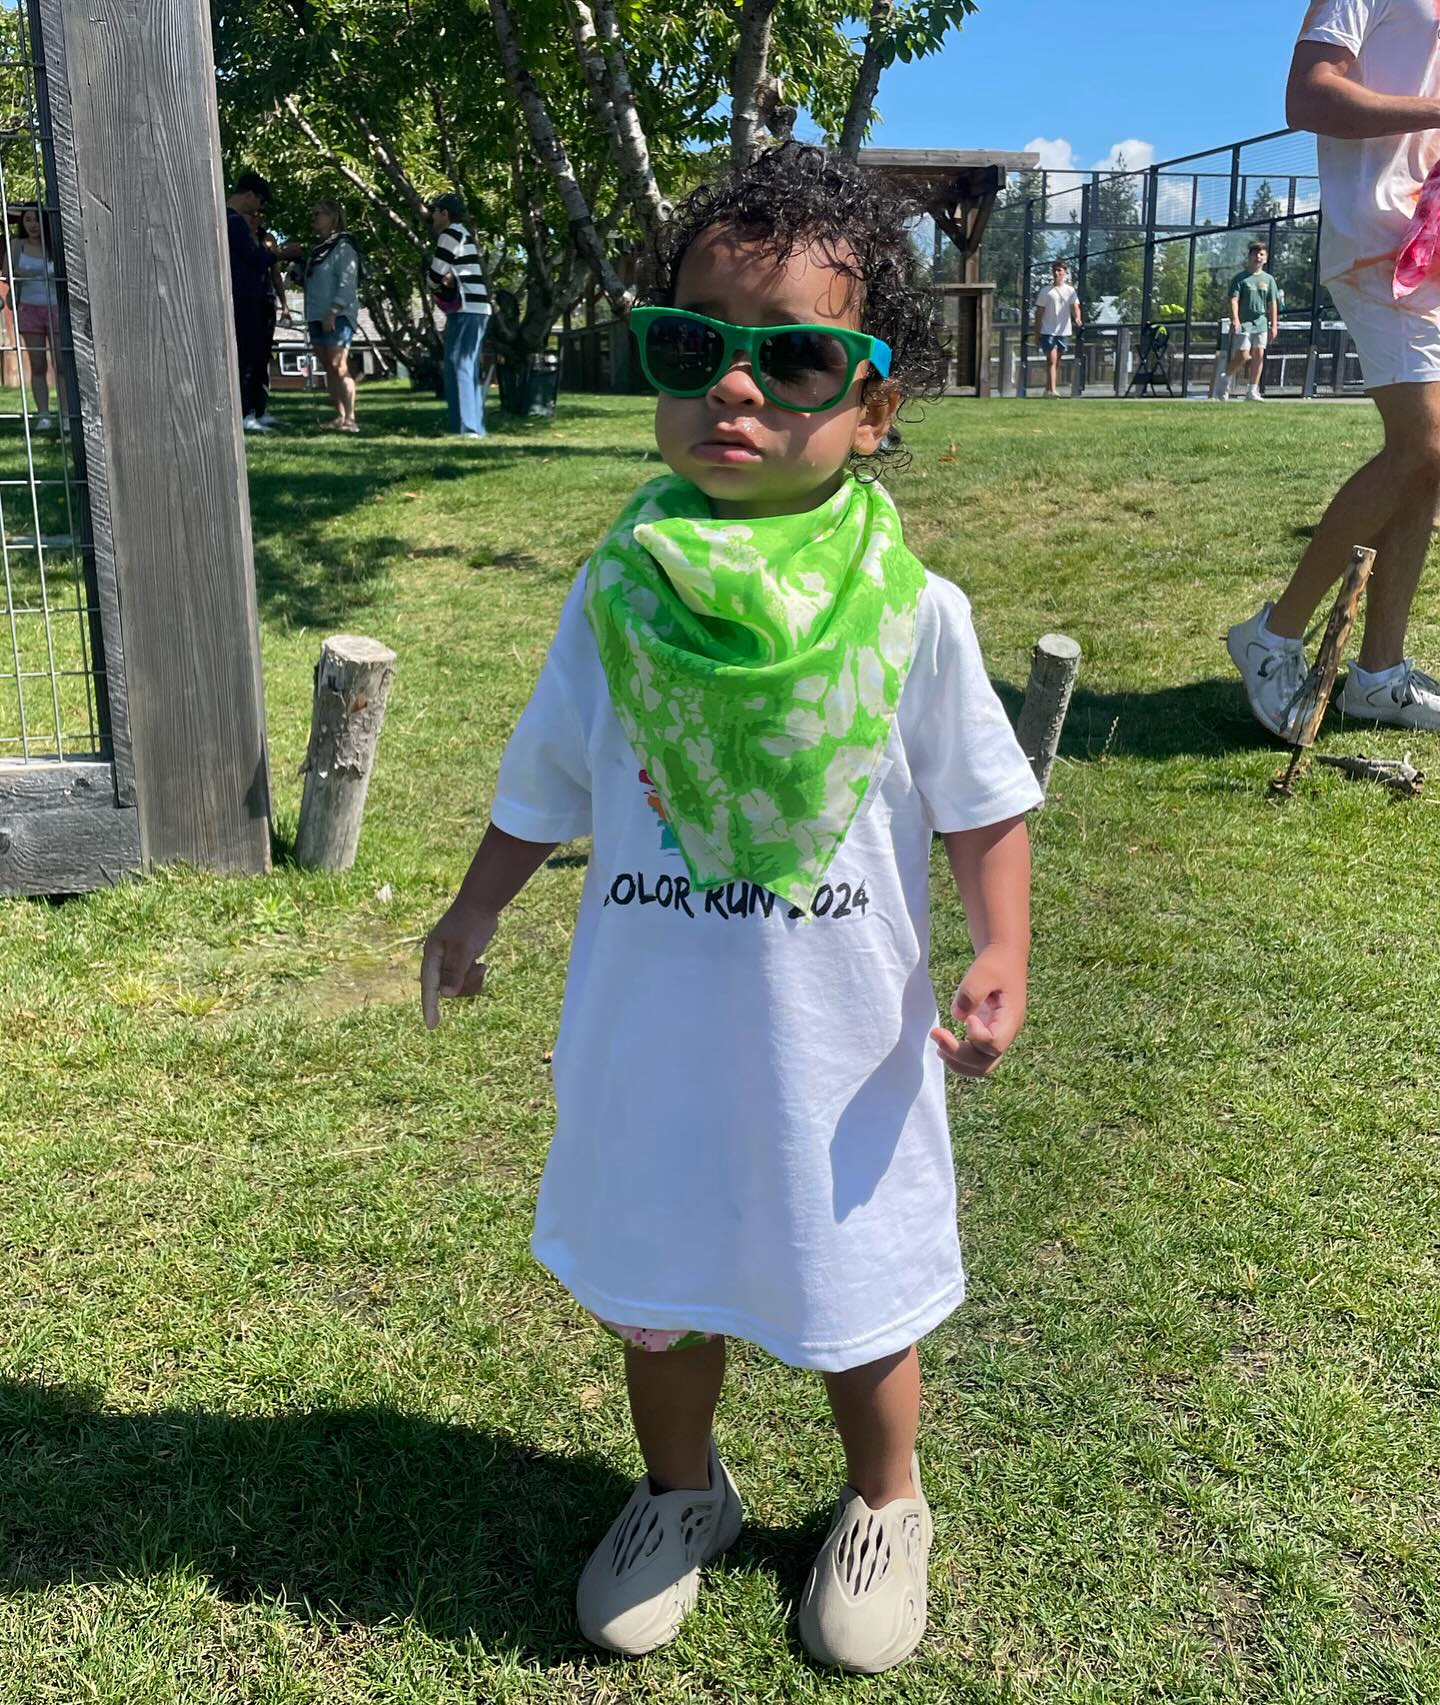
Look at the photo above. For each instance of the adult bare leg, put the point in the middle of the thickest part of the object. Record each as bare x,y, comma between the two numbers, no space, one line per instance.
1257,366
1400,484
1052,372
339,384
37,349
877,1411
333,389
673,1394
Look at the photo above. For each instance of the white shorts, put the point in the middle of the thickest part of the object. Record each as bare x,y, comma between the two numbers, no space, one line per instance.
1247,339
1396,347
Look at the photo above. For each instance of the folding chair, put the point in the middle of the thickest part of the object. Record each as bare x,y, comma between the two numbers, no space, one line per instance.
1154,366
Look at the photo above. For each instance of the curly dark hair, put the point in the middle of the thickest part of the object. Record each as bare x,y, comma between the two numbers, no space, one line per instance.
797,196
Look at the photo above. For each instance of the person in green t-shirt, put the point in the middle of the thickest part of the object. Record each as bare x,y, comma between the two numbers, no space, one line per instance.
1254,322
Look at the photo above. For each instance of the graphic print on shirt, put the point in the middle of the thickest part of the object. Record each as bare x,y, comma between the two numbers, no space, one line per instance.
668,843
832,901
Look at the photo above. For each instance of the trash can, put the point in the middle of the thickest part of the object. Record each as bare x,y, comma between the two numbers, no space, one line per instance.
530,388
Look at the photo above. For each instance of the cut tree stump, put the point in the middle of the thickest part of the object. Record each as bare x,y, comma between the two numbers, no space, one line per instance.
1054,664
352,683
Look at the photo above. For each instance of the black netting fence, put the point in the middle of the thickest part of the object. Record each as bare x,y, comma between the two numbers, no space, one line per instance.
1153,253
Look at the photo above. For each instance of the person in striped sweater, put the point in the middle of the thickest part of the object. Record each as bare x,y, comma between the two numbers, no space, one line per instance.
457,280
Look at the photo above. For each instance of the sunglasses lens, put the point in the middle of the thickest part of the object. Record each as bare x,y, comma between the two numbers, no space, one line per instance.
805,369
682,355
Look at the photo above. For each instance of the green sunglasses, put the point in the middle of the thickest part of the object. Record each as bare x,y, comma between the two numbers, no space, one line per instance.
804,368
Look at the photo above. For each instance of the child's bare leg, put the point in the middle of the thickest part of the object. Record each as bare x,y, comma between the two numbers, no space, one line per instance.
673,1394
877,1409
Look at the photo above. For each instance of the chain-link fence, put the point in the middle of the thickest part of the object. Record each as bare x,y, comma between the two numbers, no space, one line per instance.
1153,254
52,702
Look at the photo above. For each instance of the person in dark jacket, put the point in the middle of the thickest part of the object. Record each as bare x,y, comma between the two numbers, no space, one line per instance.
252,288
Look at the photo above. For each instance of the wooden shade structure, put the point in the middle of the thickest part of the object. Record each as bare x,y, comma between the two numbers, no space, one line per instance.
958,188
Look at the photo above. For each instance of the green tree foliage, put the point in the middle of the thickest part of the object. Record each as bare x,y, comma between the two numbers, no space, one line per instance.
386,103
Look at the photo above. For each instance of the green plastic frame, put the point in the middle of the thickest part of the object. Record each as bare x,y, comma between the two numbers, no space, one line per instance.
746,340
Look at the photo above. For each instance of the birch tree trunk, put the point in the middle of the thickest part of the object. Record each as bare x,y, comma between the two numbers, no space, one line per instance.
752,54
637,174
867,82
597,78
551,151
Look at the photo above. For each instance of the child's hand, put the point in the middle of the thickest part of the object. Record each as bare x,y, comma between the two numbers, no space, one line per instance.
990,1006
451,967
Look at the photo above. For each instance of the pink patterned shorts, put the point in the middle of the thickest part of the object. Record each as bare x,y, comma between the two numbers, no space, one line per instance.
656,1339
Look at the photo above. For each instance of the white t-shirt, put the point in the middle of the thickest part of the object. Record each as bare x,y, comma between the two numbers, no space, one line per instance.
1057,310
1368,189
751,1132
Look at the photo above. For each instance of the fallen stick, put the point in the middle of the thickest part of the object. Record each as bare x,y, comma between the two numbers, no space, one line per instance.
1398,774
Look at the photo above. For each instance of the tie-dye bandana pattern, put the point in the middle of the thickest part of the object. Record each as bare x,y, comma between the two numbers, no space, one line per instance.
756,667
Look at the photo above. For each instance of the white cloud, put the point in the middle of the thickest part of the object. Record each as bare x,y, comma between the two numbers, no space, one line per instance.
1056,154
1138,156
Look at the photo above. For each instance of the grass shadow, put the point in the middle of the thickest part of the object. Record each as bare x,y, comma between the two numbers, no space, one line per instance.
345,1516
309,572
1202,719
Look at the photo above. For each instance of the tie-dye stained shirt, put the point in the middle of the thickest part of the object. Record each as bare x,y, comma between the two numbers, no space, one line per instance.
1369,189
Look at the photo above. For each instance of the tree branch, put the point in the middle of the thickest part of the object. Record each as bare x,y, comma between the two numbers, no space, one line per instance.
351,176
632,150
747,75
551,151
597,77
384,157
867,80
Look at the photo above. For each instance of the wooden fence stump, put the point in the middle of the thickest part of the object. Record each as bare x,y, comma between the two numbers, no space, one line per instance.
1054,665
352,684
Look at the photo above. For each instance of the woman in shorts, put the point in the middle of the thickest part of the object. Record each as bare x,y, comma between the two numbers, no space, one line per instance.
36,301
332,306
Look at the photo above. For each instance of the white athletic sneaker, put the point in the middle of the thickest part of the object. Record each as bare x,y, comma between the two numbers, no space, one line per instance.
1255,395
252,423
267,420
1408,698
43,423
1272,671
865,1605
642,1579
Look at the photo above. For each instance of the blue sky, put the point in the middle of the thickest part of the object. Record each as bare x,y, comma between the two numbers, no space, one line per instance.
1171,76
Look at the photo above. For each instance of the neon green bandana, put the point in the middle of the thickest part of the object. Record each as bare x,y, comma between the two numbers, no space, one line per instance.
756,666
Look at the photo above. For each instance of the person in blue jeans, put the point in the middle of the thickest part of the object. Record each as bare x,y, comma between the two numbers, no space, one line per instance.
458,281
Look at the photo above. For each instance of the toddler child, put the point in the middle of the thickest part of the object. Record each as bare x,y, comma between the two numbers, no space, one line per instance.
762,708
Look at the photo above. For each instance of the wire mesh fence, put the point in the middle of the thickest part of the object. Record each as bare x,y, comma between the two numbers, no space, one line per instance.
1154,253
52,701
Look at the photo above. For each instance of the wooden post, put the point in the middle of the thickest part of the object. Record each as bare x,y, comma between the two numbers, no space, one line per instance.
352,683
1053,668
137,160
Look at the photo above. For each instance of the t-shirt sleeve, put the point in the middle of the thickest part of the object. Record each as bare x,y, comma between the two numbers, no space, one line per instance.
543,790
963,755
1342,23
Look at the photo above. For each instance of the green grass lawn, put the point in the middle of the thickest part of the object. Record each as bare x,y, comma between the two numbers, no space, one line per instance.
288,1415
